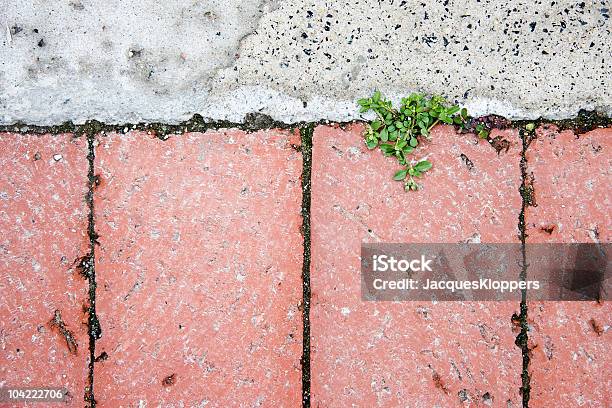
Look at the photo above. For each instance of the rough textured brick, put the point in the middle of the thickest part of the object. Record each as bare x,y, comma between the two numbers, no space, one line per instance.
570,357
43,220
199,269
418,354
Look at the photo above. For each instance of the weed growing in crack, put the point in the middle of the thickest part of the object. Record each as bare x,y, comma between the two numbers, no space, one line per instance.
397,132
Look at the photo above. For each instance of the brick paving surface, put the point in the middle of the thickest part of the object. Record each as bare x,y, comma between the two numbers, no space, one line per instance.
416,353
570,359
43,225
199,269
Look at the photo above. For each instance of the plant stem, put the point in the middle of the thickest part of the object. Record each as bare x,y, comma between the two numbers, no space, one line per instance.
433,124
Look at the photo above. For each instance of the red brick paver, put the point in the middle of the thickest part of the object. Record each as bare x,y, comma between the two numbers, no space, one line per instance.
416,354
43,220
199,269
570,360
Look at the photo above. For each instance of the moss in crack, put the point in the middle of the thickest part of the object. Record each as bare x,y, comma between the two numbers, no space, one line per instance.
253,122
527,192
482,126
163,131
19,127
527,188
521,341
306,133
584,122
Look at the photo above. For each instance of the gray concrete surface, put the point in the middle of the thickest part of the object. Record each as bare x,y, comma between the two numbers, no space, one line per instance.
148,60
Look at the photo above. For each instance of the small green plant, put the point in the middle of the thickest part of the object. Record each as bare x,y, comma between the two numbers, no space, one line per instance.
397,132
482,131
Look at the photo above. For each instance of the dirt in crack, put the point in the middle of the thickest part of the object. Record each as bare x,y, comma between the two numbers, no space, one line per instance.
87,263
527,200
306,133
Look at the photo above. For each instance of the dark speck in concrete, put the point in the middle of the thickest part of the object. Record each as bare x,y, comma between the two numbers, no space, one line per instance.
77,5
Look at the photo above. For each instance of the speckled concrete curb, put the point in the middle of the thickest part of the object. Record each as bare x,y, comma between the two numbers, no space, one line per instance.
135,61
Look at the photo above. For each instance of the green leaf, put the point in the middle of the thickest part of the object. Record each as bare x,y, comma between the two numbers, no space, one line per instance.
446,119
397,131
400,175
384,135
423,166
387,149
452,110
371,144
